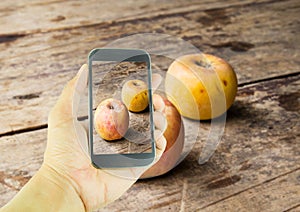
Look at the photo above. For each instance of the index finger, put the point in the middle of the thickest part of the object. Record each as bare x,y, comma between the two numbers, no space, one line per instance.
67,104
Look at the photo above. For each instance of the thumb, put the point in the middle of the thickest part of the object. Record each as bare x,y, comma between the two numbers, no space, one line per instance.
67,105
161,144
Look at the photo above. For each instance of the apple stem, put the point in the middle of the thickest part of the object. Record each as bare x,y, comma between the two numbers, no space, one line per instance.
203,64
110,107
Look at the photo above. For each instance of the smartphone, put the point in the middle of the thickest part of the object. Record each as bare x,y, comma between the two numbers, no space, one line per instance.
110,72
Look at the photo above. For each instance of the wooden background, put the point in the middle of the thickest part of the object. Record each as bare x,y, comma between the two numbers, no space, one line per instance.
257,165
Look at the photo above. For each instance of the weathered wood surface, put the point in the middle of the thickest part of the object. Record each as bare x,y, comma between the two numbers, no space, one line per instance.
259,40
256,167
24,17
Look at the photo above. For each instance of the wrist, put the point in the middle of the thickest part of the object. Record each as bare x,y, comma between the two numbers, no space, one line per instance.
47,190
68,199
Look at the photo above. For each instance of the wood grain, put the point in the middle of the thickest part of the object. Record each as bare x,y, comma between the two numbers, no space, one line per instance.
256,152
256,166
51,59
24,17
265,196
257,160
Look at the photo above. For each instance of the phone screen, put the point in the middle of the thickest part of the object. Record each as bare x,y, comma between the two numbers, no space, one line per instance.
120,108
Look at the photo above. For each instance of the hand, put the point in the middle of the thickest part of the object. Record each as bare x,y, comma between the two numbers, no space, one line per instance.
67,152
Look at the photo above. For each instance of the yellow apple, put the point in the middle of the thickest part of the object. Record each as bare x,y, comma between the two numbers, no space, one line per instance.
135,95
174,135
111,119
201,86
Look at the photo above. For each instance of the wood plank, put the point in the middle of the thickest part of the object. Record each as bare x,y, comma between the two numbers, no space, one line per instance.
21,156
26,18
256,148
35,68
265,197
259,152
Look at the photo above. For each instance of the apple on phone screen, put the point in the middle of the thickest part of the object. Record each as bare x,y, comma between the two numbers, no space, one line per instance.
121,131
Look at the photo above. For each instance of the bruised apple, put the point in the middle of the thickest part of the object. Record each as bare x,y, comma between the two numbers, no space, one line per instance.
174,135
135,95
201,86
111,119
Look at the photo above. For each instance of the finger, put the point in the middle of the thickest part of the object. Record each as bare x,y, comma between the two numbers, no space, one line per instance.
161,144
156,81
159,118
81,134
67,104
160,121
85,124
80,87
158,103
126,177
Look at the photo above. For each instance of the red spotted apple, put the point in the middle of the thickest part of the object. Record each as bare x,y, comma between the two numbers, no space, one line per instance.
174,135
111,119
201,86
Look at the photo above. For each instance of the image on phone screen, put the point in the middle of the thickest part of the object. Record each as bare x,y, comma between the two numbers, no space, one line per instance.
121,109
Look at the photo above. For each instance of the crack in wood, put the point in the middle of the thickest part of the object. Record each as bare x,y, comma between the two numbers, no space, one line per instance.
252,82
237,46
24,130
44,126
10,38
249,188
292,208
28,96
58,18
224,182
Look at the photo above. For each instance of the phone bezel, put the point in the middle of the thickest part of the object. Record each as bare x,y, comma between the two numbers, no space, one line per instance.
120,160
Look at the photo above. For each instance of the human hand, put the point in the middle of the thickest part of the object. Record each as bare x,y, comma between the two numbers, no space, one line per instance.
67,157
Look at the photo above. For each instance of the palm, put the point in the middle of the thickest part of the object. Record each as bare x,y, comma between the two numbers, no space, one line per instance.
67,152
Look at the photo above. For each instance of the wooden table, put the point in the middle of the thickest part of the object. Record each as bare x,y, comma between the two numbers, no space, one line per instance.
257,165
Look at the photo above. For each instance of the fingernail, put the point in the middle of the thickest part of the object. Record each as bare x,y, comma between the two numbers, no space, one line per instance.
160,121
158,103
160,140
156,80
157,134
82,77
